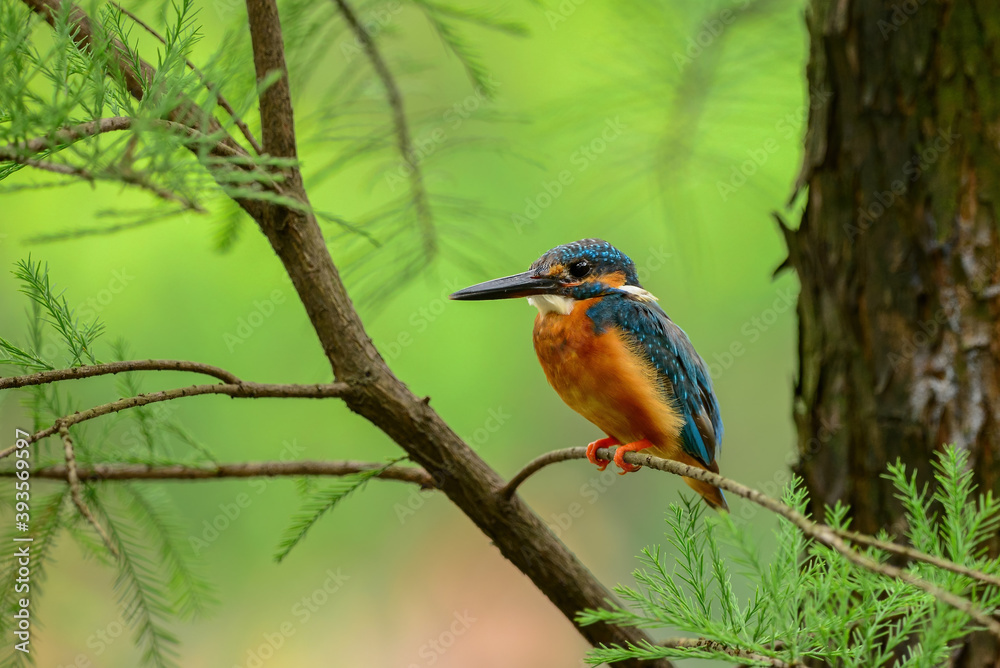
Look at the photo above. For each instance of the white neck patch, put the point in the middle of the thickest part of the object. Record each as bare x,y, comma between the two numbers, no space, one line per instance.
639,293
552,304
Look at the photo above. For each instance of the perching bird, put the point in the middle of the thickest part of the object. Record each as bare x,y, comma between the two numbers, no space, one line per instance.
616,358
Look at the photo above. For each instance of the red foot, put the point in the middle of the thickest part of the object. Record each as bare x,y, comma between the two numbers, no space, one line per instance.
629,447
601,464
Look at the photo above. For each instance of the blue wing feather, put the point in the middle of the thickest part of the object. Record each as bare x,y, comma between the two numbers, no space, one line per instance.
685,374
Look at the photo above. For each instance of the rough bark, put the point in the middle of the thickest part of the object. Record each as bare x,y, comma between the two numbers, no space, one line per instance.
898,255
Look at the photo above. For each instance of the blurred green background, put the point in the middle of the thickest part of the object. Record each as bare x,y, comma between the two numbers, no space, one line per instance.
708,110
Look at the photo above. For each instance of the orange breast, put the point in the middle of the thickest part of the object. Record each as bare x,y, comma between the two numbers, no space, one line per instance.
602,379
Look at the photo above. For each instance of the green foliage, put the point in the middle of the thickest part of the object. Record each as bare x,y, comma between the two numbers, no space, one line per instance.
322,502
809,602
441,16
44,92
48,85
140,589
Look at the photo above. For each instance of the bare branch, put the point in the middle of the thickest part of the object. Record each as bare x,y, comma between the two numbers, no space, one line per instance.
536,464
821,533
220,98
73,133
235,390
409,474
90,371
74,490
917,555
54,167
420,200
139,179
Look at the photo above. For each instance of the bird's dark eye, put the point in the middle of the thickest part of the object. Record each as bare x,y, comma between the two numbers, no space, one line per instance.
579,269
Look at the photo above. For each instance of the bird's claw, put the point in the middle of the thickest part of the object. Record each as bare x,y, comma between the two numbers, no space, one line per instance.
629,447
592,448
622,464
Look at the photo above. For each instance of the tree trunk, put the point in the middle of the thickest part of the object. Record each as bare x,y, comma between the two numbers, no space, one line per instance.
898,254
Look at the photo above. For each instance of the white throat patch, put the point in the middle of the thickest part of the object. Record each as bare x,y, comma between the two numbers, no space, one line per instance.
552,304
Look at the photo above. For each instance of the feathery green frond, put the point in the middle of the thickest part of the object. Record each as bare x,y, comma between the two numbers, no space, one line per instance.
78,337
810,602
25,359
322,502
143,596
191,594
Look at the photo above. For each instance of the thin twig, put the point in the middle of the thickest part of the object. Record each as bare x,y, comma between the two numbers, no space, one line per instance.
819,532
140,180
90,371
703,643
235,390
132,178
54,167
917,555
420,200
64,136
275,469
73,133
220,98
534,465
75,493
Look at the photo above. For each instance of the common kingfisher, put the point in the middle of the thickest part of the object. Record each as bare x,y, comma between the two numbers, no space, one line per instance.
616,358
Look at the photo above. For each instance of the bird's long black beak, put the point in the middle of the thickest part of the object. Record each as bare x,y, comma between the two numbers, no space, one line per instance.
508,287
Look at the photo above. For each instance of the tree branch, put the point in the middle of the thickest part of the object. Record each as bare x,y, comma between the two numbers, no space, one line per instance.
421,202
917,555
19,151
235,390
536,464
55,168
702,643
90,371
276,116
128,177
821,533
64,136
408,474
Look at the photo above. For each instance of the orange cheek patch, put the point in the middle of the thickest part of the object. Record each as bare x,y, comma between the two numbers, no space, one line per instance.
615,280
